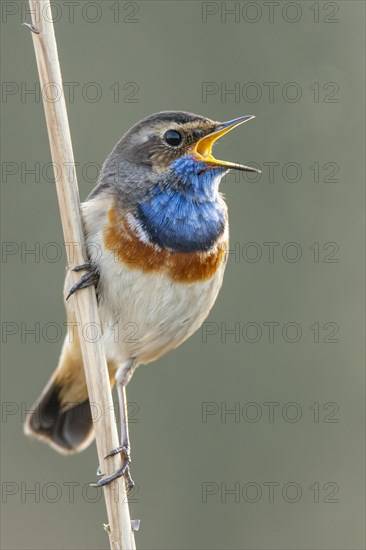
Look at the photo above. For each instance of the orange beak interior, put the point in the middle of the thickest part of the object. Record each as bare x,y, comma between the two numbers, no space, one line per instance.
203,148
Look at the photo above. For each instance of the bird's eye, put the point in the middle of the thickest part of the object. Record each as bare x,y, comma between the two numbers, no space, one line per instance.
173,138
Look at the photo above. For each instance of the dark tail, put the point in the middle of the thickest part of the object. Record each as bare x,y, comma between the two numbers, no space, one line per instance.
68,428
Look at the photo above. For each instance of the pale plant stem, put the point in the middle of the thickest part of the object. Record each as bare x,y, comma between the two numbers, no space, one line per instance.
121,535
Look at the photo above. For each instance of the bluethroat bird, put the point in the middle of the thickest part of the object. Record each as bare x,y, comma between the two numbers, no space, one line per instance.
156,229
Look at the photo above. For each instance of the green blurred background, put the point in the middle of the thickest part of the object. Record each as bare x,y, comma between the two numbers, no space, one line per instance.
135,59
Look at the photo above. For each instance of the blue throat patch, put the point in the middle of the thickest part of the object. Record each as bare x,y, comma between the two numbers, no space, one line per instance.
187,215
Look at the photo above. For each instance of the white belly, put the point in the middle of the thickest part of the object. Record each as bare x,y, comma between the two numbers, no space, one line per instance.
144,315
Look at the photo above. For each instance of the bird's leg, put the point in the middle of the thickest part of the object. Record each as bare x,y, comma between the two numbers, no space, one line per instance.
89,279
123,376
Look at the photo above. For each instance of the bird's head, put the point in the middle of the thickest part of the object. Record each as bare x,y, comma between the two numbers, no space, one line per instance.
165,178
172,149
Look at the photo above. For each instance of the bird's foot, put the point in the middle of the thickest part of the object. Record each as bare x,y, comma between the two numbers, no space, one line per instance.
89,279
123,471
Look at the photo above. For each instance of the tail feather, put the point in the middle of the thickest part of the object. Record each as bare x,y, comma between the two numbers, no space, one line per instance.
61,416
67,428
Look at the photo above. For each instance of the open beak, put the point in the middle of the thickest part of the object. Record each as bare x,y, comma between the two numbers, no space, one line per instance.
203,147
